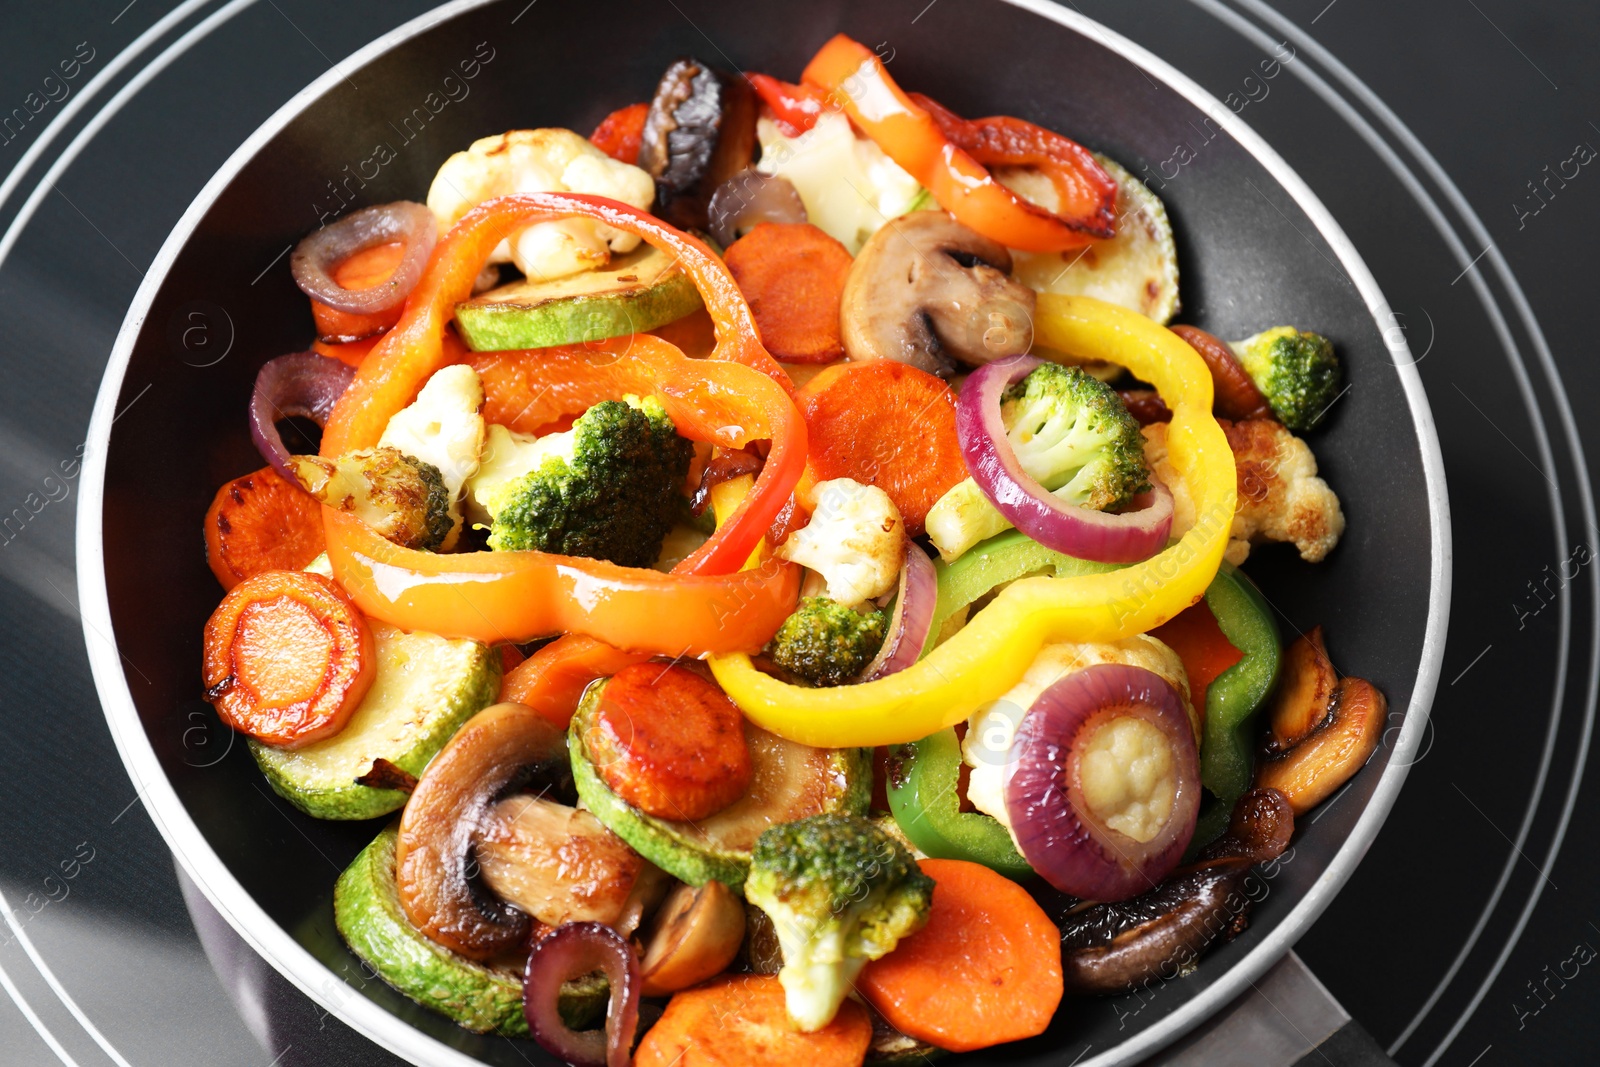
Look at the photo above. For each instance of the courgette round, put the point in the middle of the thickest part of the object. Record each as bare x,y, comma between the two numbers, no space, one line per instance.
790,782
367,913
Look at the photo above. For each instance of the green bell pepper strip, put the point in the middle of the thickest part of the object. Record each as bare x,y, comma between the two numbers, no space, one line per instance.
1236,696
923,774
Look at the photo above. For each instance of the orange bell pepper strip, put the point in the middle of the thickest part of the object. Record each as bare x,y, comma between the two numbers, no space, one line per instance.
1087,191
858,82
738,396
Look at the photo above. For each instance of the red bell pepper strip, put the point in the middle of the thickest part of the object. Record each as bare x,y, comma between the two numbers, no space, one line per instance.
1087,192
516,596
912,138
795,108
620,133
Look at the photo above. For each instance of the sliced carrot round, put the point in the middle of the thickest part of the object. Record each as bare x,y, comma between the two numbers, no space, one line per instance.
792,276
261,523
985,969
669,741
288,658
742,1020
889,425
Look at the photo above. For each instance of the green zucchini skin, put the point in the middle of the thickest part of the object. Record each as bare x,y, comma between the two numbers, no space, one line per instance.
426,687
718,847
367,913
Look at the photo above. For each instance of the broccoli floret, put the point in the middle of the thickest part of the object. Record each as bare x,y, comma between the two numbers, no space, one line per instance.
609,493
1297,373
826,643
401,497
839,892
1071,433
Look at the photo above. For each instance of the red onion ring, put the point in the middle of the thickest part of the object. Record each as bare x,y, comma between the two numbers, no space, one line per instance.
302,384
750,197
912,617
314,258
574,950
1056,833
1104,537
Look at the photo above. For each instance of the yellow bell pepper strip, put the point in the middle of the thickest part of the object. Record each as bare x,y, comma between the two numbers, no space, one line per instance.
856,80
989,655
738,396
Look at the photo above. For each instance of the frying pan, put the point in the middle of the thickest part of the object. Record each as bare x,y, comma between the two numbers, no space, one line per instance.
1256,249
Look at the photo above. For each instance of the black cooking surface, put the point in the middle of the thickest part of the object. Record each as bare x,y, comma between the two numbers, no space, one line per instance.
1467,930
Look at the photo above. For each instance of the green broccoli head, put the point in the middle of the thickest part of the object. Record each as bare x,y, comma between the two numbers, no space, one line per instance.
1074,434
611,494
839,892
827,643
1297,373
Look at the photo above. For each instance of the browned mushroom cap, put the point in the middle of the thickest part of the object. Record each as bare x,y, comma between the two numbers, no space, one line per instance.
701,131
1117,947
929,292
561,865
499,749
695,935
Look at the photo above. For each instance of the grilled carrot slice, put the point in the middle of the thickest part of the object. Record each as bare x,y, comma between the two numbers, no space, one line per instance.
985,969
288,658
885,424
669,741
742,1020
361,270
792,275
261,523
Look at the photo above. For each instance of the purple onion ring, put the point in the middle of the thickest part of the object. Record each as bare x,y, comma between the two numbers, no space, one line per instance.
750,197
315,257
1056,833
302,384
912,617
574,950
1104,537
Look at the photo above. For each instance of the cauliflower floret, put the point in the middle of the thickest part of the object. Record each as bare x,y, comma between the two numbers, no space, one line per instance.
856,540
1280,496
443,427
539,161
986,748
847,183
508,455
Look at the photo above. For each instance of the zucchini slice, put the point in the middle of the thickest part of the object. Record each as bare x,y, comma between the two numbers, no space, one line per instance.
1137,269
790,782
367,913
635,292
426,687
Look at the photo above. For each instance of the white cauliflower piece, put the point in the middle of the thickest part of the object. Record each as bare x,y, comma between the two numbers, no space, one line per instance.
540,161
849,186
507,456
986,748
442,426
1280,496
856,540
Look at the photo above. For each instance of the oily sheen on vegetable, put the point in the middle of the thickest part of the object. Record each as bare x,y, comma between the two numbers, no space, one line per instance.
572,951
987,656
314,259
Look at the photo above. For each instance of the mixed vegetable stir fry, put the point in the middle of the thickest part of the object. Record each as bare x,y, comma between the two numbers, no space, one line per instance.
780,566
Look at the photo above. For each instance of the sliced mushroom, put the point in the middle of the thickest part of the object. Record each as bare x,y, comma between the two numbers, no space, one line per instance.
1305,693
1116,947
701,131
560,865
761,953
928,292
497,751
695,935
1323,760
